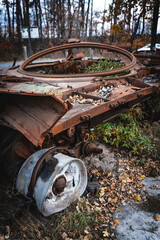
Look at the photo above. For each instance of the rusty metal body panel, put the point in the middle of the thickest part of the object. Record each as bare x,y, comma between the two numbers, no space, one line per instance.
85,112
47,110
31,114
44,105
148,59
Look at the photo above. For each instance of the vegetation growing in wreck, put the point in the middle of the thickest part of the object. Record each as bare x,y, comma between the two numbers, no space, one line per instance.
106,65
131,131
92,216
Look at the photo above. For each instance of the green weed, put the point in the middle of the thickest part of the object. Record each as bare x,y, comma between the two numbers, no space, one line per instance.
84,217
106,65
82,220
126,132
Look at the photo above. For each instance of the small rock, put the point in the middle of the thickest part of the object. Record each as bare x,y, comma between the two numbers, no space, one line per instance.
92,187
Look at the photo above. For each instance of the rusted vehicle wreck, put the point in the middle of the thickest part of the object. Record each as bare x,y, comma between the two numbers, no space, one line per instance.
48,108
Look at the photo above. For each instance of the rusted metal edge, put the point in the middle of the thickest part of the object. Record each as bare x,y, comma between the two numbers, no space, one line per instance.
129,55
26,93
84,79
67,105
62,126
21,129
13,78
29,135
146,56
10,91
89,96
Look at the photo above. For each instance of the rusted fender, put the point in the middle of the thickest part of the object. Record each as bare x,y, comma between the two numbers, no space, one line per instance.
32,114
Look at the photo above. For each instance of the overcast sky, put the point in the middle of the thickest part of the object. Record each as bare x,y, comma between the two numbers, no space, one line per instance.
99,4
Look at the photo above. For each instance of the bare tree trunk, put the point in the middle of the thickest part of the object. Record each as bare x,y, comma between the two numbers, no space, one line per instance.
40,18
52,5
129,15
36,9
20,14
91,21
62,18
86,28
77,25
28,26
46,16
69,19
24,14
144,13
18,25
9,18
154,23
82,18
136,27
13,19
103,18
58,18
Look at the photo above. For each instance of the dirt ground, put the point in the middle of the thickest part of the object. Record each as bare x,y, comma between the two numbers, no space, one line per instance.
114,181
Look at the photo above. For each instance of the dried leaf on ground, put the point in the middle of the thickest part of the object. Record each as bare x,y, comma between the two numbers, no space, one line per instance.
64,235
116,221
2,237
137,198
106,233
156,217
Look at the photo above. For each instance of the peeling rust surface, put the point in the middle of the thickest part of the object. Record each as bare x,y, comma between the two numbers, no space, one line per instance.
32,115
44,106
45,117
148,59
129,58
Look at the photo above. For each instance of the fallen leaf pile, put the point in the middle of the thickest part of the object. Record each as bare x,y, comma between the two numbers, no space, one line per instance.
156,217
82,100
92,216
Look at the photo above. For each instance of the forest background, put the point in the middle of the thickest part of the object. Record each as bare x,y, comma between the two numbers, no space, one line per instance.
129,23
